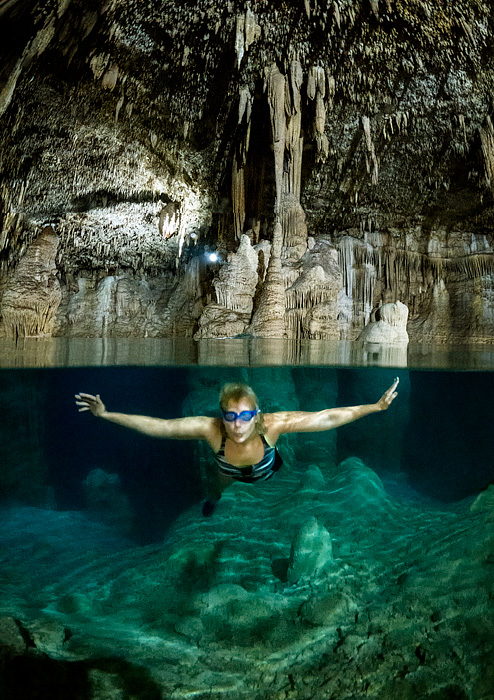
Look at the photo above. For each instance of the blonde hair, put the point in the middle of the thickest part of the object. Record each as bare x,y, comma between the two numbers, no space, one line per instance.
235,391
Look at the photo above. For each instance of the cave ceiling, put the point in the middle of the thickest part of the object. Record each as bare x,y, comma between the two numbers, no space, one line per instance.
142,130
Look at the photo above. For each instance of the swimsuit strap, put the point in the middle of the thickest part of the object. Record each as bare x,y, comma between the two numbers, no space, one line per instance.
221,451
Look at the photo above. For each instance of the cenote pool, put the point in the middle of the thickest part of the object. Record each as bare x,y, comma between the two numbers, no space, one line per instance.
379,530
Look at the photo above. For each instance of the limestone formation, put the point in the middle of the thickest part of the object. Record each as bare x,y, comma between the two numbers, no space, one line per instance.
237,280
269,319
389,325
235,288
32,294
145,132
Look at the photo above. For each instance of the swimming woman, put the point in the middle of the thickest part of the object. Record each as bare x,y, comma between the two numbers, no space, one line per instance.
243,439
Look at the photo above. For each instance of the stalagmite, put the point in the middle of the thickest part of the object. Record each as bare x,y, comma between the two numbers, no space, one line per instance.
311,551
238,279
312,299
388,326
235,287
268,320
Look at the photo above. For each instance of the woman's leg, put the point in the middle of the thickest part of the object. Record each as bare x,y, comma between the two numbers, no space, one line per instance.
217,483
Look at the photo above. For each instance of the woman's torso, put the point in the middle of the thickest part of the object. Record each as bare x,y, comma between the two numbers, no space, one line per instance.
254,460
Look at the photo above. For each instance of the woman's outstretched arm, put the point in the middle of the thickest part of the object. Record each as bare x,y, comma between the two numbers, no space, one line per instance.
307,422
194,427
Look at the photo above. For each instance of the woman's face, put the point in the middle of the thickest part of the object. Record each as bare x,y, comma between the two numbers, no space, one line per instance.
238,430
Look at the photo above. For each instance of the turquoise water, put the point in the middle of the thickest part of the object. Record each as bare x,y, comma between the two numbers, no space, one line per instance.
433,443
119,586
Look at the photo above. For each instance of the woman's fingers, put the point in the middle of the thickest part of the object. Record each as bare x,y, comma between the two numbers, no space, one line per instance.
87,402
391,393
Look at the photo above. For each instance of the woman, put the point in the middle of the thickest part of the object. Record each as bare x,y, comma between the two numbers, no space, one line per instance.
243,439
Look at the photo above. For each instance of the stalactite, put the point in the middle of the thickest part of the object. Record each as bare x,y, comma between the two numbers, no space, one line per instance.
247,31
292,215
346,249
34,48
238,196
110,77
375,7
316,90
310,288
275,84
337,14
487,141
238,165
240,37
373,164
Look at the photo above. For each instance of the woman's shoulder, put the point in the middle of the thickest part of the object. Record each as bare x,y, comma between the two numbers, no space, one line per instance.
271,424
216,433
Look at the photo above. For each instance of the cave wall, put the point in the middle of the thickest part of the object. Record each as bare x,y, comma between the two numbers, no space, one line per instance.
351,143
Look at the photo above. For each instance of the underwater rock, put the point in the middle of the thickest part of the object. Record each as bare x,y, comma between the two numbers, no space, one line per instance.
220,605
12,643
48,635
106,501
484,501
311,552
313,479
327,609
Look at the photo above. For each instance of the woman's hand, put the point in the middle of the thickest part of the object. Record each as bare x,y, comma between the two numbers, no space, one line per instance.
88,402
387,398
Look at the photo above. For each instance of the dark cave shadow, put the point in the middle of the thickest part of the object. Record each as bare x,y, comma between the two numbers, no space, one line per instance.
36,676
106,199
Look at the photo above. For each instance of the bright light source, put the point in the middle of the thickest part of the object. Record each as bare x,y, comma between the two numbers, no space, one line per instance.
213,257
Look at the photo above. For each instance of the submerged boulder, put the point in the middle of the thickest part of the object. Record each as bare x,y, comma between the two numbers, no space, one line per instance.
311,551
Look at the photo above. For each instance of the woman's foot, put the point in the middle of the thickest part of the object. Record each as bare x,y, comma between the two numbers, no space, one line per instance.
208,508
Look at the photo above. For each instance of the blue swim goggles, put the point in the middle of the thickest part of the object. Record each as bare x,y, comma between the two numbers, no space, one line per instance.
245,416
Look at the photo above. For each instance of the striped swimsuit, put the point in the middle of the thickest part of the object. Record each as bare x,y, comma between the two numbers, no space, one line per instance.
261,471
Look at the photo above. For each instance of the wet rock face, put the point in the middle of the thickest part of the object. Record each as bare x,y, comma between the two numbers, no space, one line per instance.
144,132
32,295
